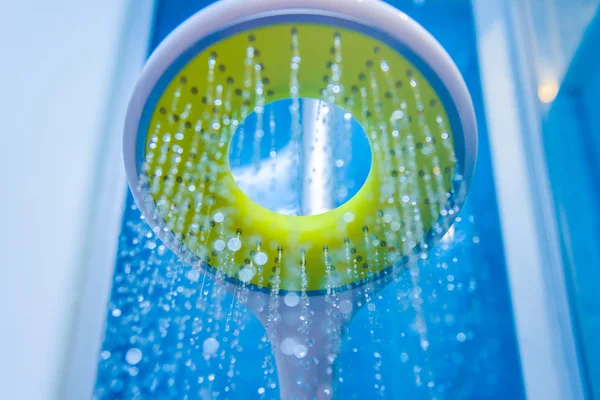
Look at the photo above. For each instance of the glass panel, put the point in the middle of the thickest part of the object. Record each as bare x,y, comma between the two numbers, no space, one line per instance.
451,336
566,64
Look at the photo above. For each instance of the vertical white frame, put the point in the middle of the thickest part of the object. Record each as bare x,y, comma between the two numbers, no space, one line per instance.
105,212
540,302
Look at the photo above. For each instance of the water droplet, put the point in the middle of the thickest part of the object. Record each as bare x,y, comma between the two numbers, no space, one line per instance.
116,385
116,313
260,258
133,356
300,351
210,346
291,299
287,346
219,217
234,244
346,306
246,274
193,275
219,245
461,337
348,217
397,115
325,392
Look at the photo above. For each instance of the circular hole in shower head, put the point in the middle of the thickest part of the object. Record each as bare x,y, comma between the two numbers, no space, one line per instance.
300,158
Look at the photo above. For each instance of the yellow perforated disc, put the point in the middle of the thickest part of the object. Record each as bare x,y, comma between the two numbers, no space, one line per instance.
190,131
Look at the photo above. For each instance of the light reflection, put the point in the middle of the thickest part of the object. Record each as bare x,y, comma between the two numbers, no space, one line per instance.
548,91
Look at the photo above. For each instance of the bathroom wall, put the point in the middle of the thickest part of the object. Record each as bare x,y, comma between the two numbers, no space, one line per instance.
542,82
58,65
572,141
525,49
555,28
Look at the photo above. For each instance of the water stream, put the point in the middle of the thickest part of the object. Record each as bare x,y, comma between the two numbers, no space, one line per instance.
181,331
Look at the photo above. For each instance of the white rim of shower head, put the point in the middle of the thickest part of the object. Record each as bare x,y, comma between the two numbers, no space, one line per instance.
369,13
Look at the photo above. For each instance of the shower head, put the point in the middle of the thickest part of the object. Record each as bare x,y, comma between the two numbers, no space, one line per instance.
236,57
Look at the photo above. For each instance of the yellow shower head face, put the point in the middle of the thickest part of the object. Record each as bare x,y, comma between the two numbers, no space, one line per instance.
183,139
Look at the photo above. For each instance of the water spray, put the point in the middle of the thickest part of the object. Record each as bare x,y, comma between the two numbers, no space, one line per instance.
304,276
